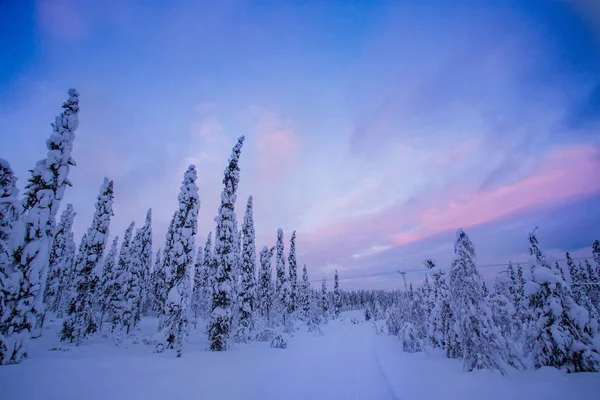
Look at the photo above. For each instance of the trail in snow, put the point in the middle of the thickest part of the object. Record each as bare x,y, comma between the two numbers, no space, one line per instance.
349,362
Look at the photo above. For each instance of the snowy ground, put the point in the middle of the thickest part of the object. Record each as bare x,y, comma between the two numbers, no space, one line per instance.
348,362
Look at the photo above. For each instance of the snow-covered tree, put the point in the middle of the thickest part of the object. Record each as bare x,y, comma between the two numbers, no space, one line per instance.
208,277
108,283
157,281
247,294
121,306
175,328
225,255
43,192
13,320
62,254
324,301
163,274
80,321
559,332
440,320
305,295
142,248
293,276
282,285
337,298
482,347
265,285
197,287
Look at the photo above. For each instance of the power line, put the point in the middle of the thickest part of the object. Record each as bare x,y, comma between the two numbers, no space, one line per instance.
383,273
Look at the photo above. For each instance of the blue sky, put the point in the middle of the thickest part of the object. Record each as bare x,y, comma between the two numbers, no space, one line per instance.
375,129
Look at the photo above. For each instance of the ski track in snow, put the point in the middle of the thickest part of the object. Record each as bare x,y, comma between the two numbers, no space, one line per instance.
349,362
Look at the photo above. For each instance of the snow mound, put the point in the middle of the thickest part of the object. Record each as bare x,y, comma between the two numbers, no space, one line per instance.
279,342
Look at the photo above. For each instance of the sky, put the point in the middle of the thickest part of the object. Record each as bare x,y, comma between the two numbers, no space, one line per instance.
374,129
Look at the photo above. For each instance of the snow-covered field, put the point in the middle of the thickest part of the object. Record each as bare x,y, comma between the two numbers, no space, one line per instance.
349,361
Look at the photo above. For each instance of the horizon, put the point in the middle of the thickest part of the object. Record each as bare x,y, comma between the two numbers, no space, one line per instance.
375,131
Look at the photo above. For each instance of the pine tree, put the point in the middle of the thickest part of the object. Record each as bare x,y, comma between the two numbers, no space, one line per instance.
43,192
13,323
594,275
282,288
208,277
482,346
580,290
163,275
80,321
175,328
293,278
324,301
337,298
559,332
197,287
157,281
143,248
247,292
305,295
62,254
265,285
225,255
108,284
120,308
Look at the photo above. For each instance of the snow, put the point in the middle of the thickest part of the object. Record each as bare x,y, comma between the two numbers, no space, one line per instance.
348,362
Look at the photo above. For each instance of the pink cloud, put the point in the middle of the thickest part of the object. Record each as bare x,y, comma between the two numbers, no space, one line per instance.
564,175
276,141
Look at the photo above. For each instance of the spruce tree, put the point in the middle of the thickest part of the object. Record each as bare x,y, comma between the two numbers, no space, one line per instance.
337,298
208,277
197,287
247,294
324,301
62,254
175,328
157,281
13,322
163,275
559,332
305,295
108,283
43,192
225,255
265,285
282,285
143,248
293,278
482,347
80,321
120,307
580,290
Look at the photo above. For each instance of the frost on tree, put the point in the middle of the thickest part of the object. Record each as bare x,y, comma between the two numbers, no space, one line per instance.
143,248
108,283
247,294
559,332
197,287
175,328
156,280
282,285
337,297
62,254
43,192
482,347
439,330
208,278
581,290
324,301
13,322
225,255
305,295
265,285
163,274
293,278
119,308
80,321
